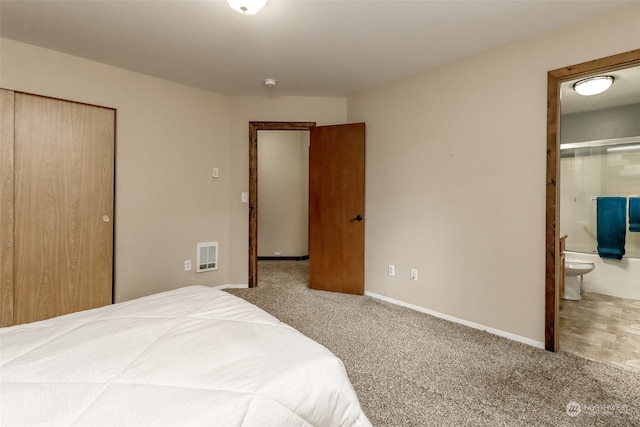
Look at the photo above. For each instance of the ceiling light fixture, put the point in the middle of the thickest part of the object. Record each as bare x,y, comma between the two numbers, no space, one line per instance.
247,7
634,147
593,85
269,82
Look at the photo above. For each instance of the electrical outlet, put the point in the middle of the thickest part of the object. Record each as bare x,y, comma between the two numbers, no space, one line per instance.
215,173
187,265
414,274
392,270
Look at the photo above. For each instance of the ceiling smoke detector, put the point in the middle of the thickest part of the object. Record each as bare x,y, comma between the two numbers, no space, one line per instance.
269,82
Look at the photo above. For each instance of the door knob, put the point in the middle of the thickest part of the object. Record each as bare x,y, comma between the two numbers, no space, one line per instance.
106,218
357,218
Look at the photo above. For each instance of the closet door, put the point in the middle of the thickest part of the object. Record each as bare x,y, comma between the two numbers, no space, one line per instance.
6,207
63,207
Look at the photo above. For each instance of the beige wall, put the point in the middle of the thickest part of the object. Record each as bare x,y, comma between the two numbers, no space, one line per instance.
456,177
283,193
168,139
455,170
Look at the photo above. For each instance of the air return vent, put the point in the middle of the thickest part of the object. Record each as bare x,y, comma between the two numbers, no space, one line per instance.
207,256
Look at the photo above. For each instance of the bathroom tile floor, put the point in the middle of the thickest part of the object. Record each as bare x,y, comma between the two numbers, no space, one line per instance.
602,328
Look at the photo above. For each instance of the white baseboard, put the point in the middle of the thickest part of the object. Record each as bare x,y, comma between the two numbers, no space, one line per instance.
514,337
229,286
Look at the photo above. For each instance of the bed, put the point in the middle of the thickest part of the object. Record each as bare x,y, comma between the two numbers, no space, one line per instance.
191,356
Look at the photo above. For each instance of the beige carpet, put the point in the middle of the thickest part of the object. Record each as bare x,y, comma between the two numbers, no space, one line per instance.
412,369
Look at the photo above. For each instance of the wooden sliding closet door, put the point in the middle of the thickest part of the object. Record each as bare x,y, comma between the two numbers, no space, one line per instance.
63,207
6,207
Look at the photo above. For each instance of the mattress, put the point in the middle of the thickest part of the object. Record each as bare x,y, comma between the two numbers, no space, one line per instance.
192,356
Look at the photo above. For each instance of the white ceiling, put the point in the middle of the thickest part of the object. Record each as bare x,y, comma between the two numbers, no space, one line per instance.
311,47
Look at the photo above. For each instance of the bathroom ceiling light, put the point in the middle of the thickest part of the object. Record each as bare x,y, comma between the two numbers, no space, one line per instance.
269,82
593,85
247,7
634,147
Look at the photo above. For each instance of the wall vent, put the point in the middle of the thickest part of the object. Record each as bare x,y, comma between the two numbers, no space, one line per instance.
207,257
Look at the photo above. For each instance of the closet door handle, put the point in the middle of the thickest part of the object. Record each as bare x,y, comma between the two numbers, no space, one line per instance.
105,218
357,218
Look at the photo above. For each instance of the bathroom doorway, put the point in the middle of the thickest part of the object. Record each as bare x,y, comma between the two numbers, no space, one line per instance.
603,324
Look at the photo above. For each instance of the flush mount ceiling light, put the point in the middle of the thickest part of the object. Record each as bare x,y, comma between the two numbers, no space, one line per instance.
269,82
247,7
593,85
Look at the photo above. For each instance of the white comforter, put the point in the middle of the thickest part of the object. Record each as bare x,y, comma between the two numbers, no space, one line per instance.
193,356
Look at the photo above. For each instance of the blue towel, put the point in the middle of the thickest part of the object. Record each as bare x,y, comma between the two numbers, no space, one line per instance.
634,213
611,226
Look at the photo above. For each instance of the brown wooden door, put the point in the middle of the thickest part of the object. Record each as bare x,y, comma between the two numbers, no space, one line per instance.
63,207
6,206
336,208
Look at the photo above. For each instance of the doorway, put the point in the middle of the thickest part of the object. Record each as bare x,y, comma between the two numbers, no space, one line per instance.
283,214
254,127
553,263
283,187
336,204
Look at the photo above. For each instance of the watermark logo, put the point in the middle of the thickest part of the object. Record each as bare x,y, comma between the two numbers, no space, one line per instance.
573,409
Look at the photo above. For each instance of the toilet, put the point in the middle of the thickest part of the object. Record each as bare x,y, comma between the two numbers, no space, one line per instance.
574,269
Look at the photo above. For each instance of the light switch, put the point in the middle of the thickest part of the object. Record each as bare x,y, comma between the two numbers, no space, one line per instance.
244,197
215,173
